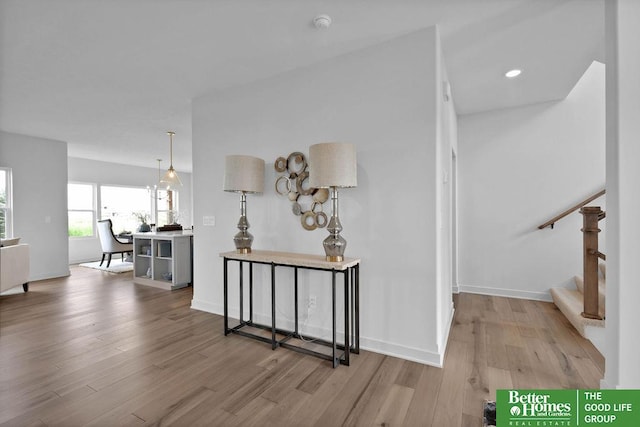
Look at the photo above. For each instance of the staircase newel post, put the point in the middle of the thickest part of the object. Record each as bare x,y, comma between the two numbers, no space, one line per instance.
590,232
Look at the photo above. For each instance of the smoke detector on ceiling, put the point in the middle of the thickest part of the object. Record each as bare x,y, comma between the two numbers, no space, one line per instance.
322,22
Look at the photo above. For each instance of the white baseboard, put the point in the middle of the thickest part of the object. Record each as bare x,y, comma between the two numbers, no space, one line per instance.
376,346
402,352
207,306
510,293
83,260
445,337
51,275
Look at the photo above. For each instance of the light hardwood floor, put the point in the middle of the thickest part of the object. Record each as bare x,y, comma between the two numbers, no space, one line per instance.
95,349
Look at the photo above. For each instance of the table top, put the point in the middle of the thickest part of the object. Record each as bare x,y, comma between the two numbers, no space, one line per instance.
161,234
292,259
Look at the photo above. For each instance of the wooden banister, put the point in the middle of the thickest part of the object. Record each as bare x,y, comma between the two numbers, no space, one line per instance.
591,253
556,218
599,254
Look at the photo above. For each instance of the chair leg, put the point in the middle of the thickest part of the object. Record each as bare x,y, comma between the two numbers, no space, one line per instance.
25,286
103,254
109,261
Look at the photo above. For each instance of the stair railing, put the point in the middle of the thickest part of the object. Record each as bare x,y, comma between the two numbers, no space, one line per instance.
556,218
590,253
590,217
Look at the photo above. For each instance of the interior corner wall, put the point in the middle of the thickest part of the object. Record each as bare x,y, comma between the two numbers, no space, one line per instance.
444,181
518,168
39,176
118,174
382,100
623,156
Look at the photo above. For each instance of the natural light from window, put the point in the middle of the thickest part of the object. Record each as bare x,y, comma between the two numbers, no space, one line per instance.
81,206
167,212
122,205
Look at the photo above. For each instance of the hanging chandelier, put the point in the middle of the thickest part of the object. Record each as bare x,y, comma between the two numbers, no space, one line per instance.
170,180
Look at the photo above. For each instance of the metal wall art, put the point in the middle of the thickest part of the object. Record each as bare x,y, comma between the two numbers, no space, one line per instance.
294,183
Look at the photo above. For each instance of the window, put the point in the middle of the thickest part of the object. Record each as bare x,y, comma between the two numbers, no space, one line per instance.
6,225
167,207
121,204
82,212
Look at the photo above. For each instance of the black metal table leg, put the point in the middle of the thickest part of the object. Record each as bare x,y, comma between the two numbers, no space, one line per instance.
333,317
346,317
357,310
250,292
295,296
241,290
273,307
226,308
352,303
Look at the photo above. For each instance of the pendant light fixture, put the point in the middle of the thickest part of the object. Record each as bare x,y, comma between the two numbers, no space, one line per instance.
170,180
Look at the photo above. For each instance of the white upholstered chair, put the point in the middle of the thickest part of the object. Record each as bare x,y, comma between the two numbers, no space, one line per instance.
14,267
110,244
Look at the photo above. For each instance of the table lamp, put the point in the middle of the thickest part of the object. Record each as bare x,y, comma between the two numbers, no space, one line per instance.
243,174
333,165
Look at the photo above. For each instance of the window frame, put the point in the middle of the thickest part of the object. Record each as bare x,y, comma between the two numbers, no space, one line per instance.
94,214
8,205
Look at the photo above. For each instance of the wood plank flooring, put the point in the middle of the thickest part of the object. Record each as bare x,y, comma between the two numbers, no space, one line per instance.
94,349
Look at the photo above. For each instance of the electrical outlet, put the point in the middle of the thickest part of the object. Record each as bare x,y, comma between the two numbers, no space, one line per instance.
311,303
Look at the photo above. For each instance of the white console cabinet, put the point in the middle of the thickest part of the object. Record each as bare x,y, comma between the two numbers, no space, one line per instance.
163,259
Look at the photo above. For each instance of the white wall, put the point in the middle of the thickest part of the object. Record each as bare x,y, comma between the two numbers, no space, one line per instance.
382,99
105,173
623,156
518,168
39,172
446,136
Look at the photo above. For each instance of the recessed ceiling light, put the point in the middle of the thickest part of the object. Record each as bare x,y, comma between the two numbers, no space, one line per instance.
513,73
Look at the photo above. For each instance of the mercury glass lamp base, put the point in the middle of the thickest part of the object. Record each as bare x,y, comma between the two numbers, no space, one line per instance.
243,242
334,246
243,239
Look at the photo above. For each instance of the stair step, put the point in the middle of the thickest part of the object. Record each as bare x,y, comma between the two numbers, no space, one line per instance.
570,303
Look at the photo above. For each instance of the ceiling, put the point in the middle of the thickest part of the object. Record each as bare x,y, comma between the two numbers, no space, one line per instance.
111,77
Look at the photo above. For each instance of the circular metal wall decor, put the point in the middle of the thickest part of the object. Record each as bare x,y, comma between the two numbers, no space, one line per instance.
294,183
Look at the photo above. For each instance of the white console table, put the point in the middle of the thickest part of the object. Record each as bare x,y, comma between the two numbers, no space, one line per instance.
163,259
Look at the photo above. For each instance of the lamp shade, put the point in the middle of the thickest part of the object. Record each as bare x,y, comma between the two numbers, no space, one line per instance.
333,164
170,180
244,173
